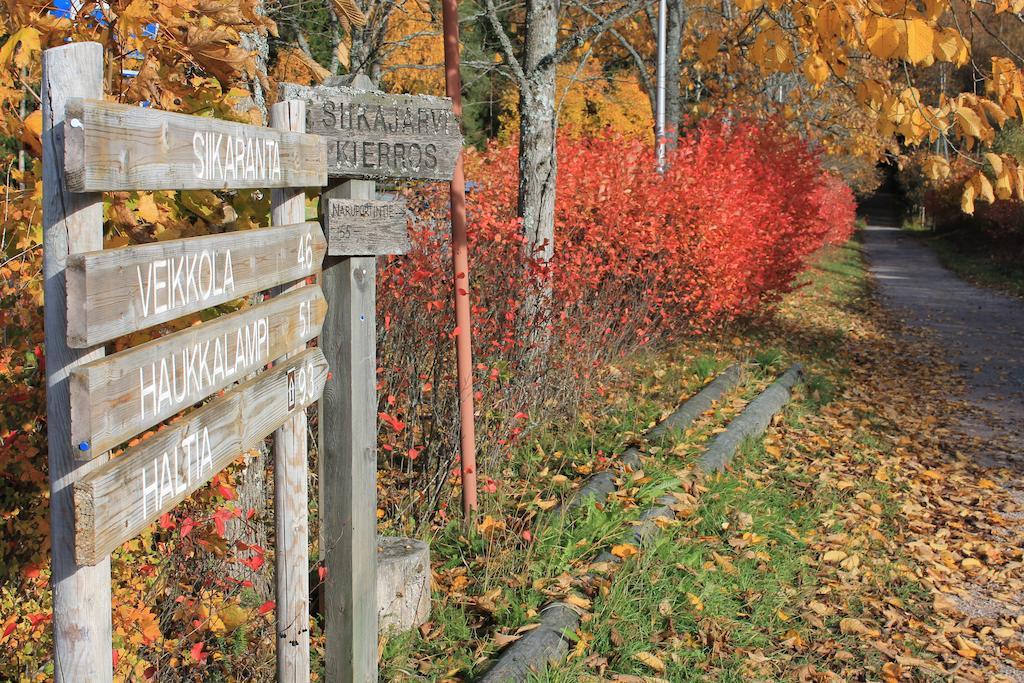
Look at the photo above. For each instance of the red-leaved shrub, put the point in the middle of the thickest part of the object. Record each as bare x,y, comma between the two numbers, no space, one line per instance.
640,259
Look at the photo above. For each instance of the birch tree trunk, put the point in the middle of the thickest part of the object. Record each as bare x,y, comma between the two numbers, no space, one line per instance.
538,166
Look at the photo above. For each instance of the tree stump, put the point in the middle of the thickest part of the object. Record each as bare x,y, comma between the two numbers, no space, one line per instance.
403,583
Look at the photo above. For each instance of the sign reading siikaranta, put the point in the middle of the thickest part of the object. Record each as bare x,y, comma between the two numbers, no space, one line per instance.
120,147
375,135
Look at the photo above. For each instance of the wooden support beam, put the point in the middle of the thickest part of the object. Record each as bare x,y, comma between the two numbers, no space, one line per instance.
72,223
118,291
117,501
123,147
291,497
348,459
118,397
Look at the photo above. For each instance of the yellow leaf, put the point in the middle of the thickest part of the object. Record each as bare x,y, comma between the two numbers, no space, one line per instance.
970,122
816,69
147,208
834,556
233,617
650,660
920,37
971,563
344,56
708,48
28,40
967,199
850,626
936,167
624,550
995,161
578,601
697,603
984,188
882,37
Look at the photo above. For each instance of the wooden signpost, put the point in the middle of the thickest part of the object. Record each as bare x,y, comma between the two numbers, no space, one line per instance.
253,362
377,136
368,135
114,292
121,147
118,501
122,395
366,226
95,295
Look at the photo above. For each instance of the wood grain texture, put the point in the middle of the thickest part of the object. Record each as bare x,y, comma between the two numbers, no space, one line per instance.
118,397
71,223
366,227
114,292
117,501
348,461
291,485
124,147
375,135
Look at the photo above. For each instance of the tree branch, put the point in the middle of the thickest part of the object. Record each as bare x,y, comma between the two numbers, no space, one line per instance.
506,45
586,34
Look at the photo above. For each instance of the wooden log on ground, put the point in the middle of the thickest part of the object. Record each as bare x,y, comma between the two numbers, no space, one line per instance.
601,484
403,583
696,405
72,223
750,423
546,644
118,291
125,147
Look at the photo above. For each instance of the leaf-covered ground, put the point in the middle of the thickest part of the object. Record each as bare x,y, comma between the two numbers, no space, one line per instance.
857,541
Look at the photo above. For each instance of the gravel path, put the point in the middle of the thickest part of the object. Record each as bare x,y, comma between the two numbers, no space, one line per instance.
982,330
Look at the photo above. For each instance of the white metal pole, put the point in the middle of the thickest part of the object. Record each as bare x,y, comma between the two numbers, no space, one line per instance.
659,115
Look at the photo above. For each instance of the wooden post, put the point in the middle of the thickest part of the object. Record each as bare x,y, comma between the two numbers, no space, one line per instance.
291,498
348,459
71,223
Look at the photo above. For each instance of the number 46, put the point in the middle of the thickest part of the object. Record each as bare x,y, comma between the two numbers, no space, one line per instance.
306,250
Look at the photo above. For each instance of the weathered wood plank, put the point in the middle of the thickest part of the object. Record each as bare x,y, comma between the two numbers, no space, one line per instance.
376,135
365,227
114,292
71,223
123,147
291,485
117,501
348,461
118,397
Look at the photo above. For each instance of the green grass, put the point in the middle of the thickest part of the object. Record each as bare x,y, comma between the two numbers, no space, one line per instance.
722,594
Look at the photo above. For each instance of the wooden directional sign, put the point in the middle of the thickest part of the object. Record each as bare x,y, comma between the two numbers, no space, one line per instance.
118,500
375,135
119,396
117,291
364,227
112,146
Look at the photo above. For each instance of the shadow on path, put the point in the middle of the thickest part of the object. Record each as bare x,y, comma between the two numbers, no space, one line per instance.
982,330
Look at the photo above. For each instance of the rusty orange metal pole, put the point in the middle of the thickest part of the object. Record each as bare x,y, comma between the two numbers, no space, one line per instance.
460,260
